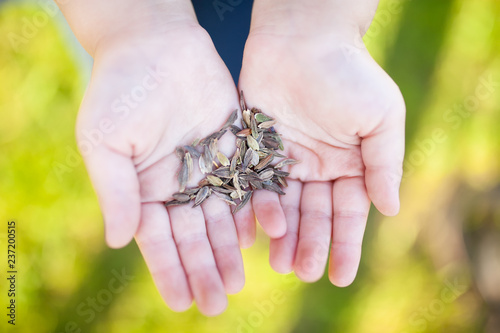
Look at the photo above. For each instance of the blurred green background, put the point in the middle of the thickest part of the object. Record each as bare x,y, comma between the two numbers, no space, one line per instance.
433,268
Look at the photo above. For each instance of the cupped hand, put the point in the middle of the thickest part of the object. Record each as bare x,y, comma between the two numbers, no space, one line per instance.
343,117
147,96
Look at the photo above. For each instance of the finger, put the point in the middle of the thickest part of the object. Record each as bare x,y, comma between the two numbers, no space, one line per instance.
245,226
190,235
154,238
314,231
224,241
383,154
350,211
115,180
282,250
269,213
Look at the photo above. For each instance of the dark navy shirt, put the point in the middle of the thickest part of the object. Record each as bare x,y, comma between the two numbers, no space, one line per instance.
228,23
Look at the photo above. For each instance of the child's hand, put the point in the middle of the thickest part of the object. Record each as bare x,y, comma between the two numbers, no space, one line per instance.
147,96
343,117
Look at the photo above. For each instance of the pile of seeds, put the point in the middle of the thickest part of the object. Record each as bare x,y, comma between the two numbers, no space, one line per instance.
234,179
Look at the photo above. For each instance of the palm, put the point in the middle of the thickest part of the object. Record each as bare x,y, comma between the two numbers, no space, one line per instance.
334,113
190,252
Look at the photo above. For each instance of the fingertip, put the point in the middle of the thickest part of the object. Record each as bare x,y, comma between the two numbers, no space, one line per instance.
280,267
235,286
217,308
180,305
341,281
277,229
388,207
247,242
383,192
119,234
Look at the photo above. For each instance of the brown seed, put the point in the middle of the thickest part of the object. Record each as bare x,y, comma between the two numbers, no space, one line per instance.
208,158
267,124
256,184
179,152
265,162
252,143
234,160
236,183
214,180
224,197
194,153
189,162
196,142
281,173
243,105
244,201
231,119
255,158
288,161
202,195
247,159
266,174
244,132
204,167
223,172
273,187
183,176
246,117
270,143
253,126
221,190
234,129
181,196
282,181
175,203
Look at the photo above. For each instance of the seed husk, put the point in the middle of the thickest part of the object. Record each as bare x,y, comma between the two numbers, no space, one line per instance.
266,174
252,143
247,159
214,180
202,195
223,172
194,153
234,129
224,197
262,118
288,161
171,203
244,201
223,159
236,177
267,124
244,132
265,162
282,181
181,196
183,175
246,118
231,119
253,126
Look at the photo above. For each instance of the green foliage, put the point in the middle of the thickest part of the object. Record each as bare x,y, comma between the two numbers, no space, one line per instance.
439,54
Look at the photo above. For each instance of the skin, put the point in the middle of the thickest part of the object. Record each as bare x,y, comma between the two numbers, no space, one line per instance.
341,115
349,109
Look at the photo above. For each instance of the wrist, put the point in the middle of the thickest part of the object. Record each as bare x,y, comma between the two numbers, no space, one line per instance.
98,23
313,18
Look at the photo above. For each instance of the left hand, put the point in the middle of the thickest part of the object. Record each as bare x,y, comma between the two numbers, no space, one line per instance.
343,117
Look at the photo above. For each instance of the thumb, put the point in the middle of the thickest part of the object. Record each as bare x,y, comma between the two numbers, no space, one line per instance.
115,181
383,154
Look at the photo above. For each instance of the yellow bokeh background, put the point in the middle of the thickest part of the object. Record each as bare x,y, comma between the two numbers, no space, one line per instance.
433,268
